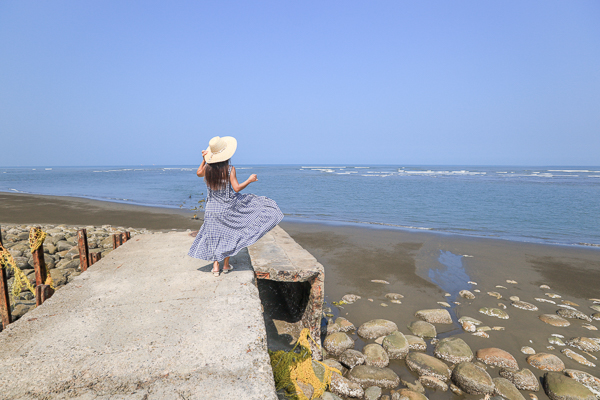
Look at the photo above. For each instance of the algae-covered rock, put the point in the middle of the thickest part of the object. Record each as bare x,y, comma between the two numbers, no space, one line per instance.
494,312
546,362
584,343
376,355
577,357
405,394
453,350
554,320
335,364
394,296
523,379
470,319
466,294
556,341
351,358
344,387
396,345
337,343
561,387
523,305
472,379
527,350
505,388
573,314
341,325
350,298
373,393
434,383
375,328
424,364
416,343
330,396
497,357
587,380
422,329
366,375
434,316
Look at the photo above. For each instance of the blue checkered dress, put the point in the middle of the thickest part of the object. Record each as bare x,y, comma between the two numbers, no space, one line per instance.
233,221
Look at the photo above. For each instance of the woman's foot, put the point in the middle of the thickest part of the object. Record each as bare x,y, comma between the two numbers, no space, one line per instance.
229,268
215,269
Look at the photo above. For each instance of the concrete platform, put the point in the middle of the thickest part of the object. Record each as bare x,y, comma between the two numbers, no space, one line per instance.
146,322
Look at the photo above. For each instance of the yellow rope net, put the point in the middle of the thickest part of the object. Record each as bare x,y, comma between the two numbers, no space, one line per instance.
36,239
291,367
21,281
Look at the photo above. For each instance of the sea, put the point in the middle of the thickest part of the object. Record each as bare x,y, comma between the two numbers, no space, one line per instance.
550,204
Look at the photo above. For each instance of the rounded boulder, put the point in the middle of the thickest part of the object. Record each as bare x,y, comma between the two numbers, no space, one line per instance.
546,362
424,364
422,329
405,394
376,328
497,357
396,345
506,389
337,343
375,355
561,387
472,379
366,376
351,358
523,379
453,350
434,316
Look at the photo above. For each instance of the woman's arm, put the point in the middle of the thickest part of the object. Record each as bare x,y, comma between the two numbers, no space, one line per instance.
237,186
202,167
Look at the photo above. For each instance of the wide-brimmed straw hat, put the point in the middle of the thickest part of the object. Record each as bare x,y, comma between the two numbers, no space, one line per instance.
220,149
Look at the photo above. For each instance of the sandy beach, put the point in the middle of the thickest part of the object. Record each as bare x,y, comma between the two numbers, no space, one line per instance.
426,268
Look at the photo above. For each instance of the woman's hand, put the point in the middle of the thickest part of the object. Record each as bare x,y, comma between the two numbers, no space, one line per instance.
253,178
204,153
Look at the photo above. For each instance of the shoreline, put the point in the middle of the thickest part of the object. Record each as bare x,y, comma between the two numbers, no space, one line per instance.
63,207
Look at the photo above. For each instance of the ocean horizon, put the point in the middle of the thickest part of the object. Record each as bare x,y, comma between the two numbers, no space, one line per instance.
546,204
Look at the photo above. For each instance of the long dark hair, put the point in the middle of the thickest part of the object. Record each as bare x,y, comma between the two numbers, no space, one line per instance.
216,175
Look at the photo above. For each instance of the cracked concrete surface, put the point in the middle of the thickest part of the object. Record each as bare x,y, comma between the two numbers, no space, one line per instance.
146,322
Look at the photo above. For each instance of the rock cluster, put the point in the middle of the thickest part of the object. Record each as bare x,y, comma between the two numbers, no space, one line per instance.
375,350
61,254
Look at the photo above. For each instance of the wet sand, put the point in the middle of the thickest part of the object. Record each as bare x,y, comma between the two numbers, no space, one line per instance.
422,266
17,208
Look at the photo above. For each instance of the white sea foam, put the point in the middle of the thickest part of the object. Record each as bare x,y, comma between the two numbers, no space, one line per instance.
571,170
589,176
324,167
48,169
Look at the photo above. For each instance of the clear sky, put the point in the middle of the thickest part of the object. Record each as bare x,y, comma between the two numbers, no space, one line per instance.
100,82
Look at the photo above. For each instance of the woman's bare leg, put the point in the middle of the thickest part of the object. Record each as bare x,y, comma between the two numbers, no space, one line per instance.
226,264
215,266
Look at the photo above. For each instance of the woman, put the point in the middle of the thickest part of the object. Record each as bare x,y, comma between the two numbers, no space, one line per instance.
232,220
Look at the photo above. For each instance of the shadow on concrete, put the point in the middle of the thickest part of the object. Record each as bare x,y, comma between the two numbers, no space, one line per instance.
241,262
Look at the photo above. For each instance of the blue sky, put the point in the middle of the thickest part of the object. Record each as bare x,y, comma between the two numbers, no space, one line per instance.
311,82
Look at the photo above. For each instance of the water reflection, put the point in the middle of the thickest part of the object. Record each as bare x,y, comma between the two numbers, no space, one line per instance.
452,278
